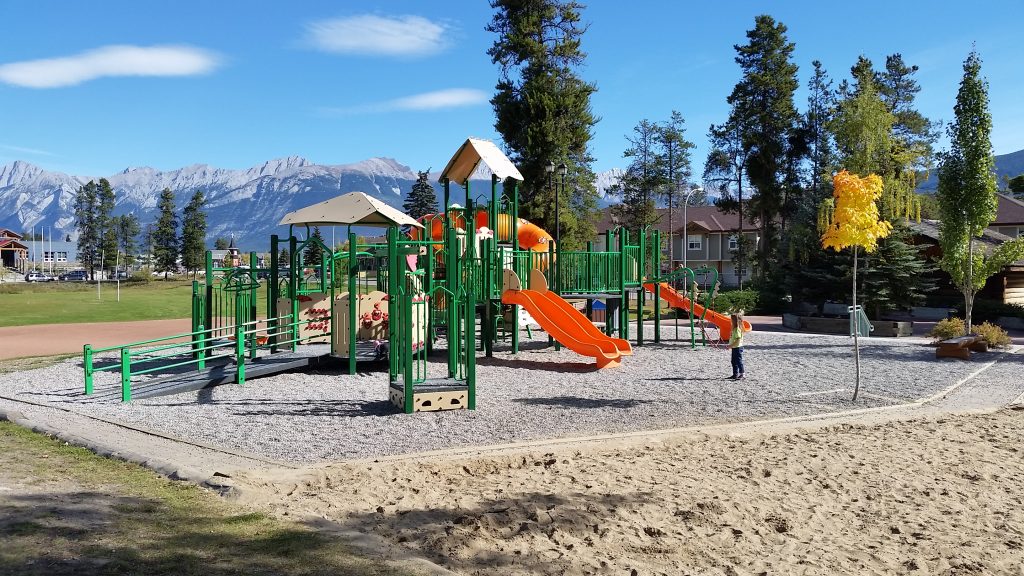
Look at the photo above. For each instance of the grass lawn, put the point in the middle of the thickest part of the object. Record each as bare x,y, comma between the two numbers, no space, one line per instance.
66,511
51,303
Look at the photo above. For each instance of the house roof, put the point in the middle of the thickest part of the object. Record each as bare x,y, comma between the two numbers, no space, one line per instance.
1009,210
702,218
12,244
8,233
988,241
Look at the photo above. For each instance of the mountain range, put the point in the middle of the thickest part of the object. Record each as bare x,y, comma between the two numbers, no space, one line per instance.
244,204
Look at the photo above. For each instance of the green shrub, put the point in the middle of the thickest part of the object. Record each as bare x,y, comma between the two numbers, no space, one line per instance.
994,335
140,277
946,329
990,310
735,300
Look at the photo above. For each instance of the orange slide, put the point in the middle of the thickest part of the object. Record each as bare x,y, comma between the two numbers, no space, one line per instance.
531,236
677,300
567,325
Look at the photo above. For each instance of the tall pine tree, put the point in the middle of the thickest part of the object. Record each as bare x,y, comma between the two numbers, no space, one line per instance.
127,226
314,251
543,111
89,231
643,179
422,200
193,233
165,234
106,224
675,155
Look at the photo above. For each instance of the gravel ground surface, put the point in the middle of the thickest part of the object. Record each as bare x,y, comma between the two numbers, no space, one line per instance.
327,415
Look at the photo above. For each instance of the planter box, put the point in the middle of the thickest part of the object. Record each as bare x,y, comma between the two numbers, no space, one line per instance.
1010,322
885,328
926,313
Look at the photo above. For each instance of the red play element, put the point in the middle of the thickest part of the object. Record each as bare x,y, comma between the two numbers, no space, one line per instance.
377,313
303,298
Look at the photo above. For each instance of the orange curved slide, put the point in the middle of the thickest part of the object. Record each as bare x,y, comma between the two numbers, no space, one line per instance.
677,300
531,236
572,314
567,328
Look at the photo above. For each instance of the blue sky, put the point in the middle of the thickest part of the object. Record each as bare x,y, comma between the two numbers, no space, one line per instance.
90,88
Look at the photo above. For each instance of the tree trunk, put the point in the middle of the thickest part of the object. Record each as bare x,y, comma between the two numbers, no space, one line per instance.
969,289
856,330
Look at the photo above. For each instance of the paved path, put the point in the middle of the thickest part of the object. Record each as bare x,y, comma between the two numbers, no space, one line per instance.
51,339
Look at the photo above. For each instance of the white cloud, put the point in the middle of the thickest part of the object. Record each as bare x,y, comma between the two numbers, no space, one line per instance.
377,35
109,61
439,99
23,150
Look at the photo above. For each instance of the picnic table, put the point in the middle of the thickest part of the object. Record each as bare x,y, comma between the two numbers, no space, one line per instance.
961,347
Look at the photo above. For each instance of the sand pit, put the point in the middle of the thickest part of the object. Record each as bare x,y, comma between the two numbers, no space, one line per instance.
933,496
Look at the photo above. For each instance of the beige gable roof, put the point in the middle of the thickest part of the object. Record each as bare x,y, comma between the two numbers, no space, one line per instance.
471,154
350,209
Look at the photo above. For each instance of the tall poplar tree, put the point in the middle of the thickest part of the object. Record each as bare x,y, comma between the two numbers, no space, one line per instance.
542,110
966,191
193,233
165,234
89,233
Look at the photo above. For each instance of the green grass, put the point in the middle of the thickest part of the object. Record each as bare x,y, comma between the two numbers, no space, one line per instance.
70,512
69,303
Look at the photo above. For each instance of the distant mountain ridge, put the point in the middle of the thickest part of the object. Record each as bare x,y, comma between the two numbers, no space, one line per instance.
1009,165
246,204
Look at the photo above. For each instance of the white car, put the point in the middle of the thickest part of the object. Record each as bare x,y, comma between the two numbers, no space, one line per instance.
38,277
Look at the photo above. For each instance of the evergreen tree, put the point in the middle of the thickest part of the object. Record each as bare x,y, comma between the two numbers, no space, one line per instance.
89,233
1016,185
821,108
106,224
283,260
543,111
643,179
725,173
314,250
966,191
221,243
127,226
675,154
165,234
764,113
896,275
193,233
422,200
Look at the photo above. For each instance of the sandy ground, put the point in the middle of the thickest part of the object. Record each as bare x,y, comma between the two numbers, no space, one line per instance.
940,495
52,339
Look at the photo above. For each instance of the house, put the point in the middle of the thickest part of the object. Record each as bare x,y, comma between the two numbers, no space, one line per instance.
708,238
1006,286
13,250
1009,216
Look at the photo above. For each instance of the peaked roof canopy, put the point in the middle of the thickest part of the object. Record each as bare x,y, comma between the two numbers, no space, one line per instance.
348,209
474,151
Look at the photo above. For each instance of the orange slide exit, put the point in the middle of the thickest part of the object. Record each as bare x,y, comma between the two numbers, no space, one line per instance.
567,325
677,300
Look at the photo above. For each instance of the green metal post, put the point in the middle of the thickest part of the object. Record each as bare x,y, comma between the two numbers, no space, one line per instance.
470,336
208,312
87,360
126,374
272,294
489,316
624,307
240,353
293,285
353,294
551,285
515,250
453,281
656,278
201,365
641,294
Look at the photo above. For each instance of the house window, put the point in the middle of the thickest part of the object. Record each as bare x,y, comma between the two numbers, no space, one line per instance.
694,242
734,243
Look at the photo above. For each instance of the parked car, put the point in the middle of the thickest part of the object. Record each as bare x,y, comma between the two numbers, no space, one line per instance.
74,276
38,277
118,275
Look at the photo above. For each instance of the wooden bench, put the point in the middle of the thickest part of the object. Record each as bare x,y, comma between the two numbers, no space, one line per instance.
961,347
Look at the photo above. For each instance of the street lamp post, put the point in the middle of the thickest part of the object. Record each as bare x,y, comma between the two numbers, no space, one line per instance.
686,236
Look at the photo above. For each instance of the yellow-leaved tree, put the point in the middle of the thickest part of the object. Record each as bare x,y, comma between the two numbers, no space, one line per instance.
850,219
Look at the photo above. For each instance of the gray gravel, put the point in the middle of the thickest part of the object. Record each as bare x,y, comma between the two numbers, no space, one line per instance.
327,415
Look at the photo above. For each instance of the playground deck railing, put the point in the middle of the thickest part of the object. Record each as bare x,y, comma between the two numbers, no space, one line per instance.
197,348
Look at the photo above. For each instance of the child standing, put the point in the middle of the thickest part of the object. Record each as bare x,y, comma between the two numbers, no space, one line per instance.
736,346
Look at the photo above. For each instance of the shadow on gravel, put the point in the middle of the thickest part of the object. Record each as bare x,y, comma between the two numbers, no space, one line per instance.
286,408
574,367
575,402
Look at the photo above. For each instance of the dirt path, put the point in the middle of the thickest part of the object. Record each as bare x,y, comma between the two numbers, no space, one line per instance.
53,339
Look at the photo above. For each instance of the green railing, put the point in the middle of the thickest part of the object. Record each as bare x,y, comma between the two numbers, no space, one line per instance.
194,348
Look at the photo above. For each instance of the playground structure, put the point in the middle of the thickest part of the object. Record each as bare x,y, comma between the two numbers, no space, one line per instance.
456,281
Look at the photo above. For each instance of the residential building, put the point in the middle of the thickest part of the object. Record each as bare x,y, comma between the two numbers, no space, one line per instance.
1009,216
13,250
709,238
